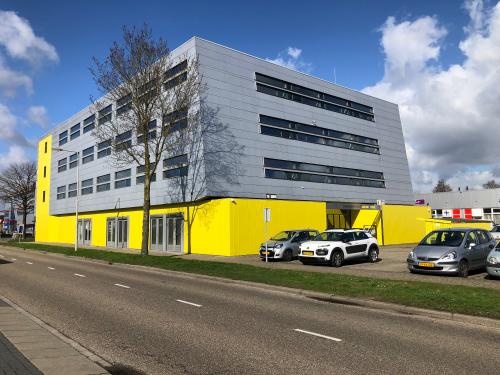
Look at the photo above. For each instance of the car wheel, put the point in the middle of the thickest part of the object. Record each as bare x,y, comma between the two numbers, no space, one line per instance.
337,258
287,255
463,268
373,254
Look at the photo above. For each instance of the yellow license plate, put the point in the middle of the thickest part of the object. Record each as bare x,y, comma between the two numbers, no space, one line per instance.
265,253
426,264
308,253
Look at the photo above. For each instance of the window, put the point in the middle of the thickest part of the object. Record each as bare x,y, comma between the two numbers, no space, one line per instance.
307,172
348,237
360,236
103,183
304,95
104,115
73,160
175,75
140,173
43,196
62,165
482,236
122,178
63,137
176,70
471,238
151,132
104,149
61,192
45,147
44,171
123,141
88,124
175,166
315,134
123,104
175,121
72,190
87,186
74,131
88,155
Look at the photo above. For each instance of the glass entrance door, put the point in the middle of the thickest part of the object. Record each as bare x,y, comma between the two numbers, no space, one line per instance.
175,226
122,229
157,233
84,231
111,232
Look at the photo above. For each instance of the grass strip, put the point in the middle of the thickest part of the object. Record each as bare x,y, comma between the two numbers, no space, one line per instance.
451,298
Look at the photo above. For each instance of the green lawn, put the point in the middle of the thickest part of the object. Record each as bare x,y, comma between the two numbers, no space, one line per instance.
457,299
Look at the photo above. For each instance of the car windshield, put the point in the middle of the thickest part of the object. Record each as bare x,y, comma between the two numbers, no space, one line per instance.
329,236
282,236
496,229
443,238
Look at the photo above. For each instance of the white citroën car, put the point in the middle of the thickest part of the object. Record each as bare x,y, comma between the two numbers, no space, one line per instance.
335,246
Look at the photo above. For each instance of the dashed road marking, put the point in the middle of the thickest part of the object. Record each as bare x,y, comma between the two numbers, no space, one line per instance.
51,268
188,303
122,286
318,335
14,259
79,275
29,263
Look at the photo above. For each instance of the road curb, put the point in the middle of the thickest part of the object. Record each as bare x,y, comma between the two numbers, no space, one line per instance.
325,297
79,348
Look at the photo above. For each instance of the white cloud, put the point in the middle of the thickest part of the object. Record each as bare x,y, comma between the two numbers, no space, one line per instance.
292,60
449,116
20,42
11,80
8,128
38,115
294,52
15,154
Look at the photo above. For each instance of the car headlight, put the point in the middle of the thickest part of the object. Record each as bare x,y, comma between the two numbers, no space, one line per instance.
450,256
492,260
278,246
411,255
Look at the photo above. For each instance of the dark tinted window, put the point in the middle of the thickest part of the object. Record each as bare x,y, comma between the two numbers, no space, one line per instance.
482,236
348,237
360,236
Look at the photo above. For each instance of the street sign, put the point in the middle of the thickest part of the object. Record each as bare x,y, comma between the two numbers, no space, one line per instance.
267,215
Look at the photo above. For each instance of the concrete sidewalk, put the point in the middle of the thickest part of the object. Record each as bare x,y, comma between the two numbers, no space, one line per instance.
28,347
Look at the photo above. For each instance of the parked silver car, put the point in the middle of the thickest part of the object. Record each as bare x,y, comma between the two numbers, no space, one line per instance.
495,232
286,245
493,262
451,251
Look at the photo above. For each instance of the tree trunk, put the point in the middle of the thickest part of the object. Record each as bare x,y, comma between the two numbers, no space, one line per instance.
145,214
24,223
189,229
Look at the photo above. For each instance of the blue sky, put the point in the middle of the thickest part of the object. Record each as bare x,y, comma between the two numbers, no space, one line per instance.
345,35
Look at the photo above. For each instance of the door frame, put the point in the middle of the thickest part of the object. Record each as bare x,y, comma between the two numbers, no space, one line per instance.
163,229
114,244
81,231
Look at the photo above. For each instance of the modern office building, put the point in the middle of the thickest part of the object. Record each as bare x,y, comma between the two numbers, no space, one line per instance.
317,154
467,204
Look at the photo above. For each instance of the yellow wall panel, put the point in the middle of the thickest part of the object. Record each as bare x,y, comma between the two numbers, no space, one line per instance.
404,224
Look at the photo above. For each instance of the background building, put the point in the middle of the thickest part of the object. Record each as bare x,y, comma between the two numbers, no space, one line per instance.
468,204
318,154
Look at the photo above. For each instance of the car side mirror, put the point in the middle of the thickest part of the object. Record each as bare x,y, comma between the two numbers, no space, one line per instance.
491,246
472,245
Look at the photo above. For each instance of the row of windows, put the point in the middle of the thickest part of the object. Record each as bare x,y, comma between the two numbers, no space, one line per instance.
290,91
298,171
173,77
173,167
175,121
315,134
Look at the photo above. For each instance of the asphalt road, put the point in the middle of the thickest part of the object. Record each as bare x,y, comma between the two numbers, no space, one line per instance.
166,323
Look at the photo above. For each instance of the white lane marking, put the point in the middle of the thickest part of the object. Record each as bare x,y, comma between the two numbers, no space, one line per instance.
318,335
77,274
14,259
2,256
188,303
51,268
122,286
29,263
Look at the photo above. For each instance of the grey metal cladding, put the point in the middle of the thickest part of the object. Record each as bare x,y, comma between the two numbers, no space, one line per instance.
230,77
231,88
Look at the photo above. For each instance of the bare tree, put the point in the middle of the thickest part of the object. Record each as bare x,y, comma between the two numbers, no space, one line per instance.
212,156
17,185
148,86
491,185
442,187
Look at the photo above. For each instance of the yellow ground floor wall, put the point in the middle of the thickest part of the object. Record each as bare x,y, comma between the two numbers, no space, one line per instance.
236,226
433,224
